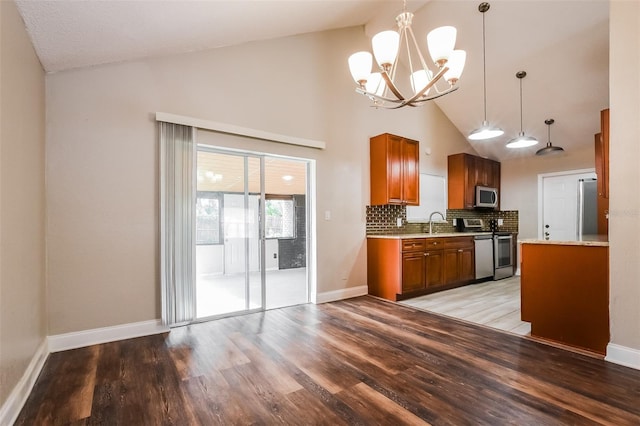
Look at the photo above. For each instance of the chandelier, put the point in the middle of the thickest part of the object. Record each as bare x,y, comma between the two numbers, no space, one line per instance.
382,87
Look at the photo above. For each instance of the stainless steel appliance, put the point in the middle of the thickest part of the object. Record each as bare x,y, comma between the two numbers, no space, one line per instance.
483,247
484,256
486,197
503,256
587,208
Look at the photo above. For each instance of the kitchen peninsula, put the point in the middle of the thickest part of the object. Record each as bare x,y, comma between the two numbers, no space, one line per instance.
565,291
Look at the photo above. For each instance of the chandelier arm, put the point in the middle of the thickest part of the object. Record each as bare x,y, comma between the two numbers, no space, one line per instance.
419,102
431,83
373,96
415,44
403,35
391,86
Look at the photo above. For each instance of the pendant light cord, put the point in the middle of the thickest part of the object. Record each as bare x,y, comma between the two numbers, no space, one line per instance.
484,69
521,105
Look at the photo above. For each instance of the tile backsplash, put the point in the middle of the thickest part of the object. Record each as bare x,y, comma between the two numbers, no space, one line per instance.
382,220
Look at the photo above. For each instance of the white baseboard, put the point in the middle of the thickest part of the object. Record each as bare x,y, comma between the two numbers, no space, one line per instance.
622,355
346,293
13,405
63,342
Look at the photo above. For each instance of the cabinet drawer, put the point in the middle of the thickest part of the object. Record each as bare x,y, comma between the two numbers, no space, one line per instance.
434,243
458,242
413,244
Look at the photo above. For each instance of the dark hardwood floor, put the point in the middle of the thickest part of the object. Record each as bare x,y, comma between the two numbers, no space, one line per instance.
358,361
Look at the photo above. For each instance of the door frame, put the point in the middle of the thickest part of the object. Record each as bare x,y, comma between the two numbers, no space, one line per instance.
310,208
541,178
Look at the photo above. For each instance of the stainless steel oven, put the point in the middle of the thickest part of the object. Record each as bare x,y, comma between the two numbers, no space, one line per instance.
503,256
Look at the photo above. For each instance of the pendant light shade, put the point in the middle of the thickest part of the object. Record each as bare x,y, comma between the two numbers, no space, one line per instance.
549,149
521,141
486,131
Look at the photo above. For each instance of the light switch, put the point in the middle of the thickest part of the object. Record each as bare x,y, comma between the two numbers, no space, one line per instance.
327,215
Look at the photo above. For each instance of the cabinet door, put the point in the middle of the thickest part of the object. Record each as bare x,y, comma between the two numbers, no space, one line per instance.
494,174
395,162
466,264
450,266
413,271
411,172
434,263
483,171
471,179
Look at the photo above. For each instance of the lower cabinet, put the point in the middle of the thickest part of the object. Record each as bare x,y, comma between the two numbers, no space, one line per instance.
459,260
401,268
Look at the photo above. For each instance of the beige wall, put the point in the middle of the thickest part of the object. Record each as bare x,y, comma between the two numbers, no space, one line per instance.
102,156
624,198
22,201
519,183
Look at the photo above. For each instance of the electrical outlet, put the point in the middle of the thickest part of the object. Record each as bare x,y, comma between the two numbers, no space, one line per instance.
399,222
454,223
500,222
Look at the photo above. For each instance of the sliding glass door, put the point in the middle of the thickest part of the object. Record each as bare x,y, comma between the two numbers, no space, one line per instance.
251,222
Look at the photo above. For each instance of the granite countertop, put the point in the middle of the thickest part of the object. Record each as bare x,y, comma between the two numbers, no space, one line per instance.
587,240
427,235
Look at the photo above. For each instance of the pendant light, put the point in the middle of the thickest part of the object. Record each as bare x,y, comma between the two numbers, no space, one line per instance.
549,149
486,131
521,141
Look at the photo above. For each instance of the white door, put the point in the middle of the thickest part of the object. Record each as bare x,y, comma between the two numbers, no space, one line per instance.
560,206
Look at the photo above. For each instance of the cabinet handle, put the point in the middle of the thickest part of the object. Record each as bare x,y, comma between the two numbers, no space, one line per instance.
426,254
434,243
459,250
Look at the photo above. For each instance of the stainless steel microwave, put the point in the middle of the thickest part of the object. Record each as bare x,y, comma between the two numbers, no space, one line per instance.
486,197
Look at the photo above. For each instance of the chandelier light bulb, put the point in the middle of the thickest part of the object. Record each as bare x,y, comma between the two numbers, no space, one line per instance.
385,47
375,84
360,66
420,79
455,63
441,43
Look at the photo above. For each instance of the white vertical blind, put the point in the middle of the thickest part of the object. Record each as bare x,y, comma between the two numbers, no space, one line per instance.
177,200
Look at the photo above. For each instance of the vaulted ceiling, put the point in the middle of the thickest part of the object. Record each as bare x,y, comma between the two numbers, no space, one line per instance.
562,45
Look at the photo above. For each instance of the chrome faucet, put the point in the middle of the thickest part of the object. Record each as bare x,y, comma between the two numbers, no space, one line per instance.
431,222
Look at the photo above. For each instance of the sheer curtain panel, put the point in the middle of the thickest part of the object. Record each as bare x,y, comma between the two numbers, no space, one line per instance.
177,201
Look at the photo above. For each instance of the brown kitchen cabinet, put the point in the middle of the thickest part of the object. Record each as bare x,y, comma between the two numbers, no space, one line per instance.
602,172
459,260
465,172
413,265
401,268
395,170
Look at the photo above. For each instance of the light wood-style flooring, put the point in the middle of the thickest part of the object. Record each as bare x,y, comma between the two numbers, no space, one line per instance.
359,361
494,304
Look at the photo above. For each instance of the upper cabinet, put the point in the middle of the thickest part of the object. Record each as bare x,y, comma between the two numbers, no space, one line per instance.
395,170
465,172
602,172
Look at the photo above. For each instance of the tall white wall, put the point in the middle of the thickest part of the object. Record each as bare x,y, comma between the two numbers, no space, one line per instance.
624,196
22,201
102,160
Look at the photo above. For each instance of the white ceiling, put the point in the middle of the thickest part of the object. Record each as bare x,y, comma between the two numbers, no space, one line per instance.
563,46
